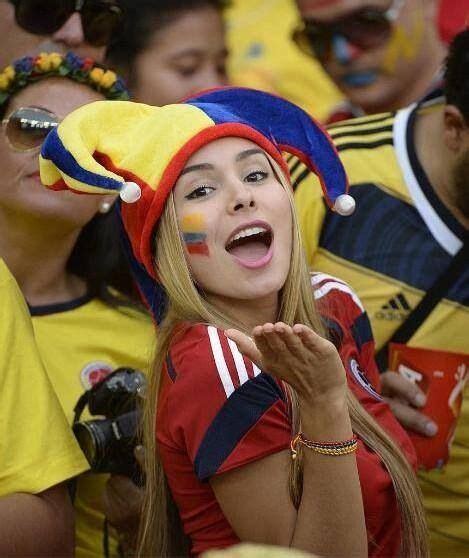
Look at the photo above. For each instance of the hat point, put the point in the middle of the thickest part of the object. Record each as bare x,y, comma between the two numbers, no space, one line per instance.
344,205
130,192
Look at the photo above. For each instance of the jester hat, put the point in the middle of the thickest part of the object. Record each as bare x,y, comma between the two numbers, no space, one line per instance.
139,151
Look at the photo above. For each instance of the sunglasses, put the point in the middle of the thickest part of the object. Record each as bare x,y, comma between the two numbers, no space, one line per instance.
366,28
100,18
27,127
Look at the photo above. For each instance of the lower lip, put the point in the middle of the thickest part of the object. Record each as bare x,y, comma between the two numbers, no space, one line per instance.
262,262
360,79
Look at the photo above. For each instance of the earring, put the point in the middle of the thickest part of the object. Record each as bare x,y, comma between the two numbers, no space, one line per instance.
104,207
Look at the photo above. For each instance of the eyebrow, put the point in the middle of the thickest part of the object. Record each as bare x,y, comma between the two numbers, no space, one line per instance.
248,153
208,166
192,168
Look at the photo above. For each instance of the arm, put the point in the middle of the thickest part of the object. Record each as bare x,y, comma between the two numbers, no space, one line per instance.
255,497
37,524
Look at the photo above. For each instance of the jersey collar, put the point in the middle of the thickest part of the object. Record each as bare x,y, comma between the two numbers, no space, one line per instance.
444,227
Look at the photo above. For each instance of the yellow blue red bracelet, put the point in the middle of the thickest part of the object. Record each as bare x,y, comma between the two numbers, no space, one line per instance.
325,448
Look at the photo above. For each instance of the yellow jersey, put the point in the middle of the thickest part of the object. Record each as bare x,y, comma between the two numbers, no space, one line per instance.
263,56
390,251
37,448
80,343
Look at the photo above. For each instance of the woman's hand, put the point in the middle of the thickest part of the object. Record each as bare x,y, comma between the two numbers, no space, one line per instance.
297,355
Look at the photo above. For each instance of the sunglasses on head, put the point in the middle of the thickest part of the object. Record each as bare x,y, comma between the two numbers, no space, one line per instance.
100,18
366,28
27,127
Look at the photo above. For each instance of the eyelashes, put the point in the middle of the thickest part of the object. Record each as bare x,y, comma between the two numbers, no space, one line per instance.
203,190
199,192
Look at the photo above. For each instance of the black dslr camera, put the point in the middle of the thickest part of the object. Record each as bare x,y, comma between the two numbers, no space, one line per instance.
108,443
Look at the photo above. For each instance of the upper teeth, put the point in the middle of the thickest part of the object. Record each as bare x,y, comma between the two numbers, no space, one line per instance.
248,232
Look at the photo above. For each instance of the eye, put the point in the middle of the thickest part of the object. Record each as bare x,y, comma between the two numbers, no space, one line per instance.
187,72
256,176
200,192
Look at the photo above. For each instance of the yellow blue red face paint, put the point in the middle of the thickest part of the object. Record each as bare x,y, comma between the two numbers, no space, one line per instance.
194,235
404,44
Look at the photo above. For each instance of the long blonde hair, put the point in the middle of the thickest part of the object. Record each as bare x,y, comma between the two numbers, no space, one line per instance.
160,529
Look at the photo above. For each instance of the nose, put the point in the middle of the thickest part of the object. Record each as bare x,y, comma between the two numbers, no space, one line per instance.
344,51
242,199
71,33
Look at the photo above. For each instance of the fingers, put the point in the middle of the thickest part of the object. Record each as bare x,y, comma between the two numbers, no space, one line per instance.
396,386
411,419
122,501
312,340
245,345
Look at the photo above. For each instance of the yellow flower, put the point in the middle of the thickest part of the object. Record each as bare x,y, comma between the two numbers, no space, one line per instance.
43,62
96,74
108,79
4,81
9,72
55,60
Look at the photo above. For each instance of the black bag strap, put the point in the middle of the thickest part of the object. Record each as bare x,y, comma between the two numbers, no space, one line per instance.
424,308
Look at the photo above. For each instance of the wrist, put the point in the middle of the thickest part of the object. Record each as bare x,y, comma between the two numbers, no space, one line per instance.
326,419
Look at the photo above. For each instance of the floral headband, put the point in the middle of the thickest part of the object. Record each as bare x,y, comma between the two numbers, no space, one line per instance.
30,69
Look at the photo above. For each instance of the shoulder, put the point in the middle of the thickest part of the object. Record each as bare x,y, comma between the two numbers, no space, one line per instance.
202,354
9,287
216,405
335,294
367,151
341,309
14,314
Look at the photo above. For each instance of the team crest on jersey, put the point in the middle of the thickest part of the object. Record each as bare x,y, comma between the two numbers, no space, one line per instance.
363,380
94,372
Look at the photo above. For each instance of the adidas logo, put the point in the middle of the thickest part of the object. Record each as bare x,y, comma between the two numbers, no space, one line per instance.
396,309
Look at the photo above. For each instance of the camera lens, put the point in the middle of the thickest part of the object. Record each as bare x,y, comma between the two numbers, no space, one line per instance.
92,437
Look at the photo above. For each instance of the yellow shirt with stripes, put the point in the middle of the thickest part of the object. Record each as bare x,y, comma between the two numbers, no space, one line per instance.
37,448
80,342
391,251
263,56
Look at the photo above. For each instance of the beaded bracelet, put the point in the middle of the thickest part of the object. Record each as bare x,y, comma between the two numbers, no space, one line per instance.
325,448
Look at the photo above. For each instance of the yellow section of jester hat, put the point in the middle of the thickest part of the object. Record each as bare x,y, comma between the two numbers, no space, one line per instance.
133,142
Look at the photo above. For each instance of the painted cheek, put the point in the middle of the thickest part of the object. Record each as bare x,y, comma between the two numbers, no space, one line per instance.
403,45
193,233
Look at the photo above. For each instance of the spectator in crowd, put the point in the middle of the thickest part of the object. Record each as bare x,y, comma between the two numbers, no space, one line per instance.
37,451
271,62
31,27
410,174
65,253
170,48
209,214
382,54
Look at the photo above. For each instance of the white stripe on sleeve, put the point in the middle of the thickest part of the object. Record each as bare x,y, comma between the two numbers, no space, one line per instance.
220,363
257,370
239,362
322,291
319,277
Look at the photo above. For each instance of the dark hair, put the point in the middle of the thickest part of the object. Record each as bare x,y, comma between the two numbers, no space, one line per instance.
142,20
457,73
98,258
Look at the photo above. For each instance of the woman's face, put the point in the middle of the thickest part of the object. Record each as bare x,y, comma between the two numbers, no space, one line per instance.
21,191
235,221
184,57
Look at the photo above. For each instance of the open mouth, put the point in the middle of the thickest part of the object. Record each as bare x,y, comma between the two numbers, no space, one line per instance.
251,245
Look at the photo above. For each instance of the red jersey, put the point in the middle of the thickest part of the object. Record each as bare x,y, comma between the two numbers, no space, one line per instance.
218,411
